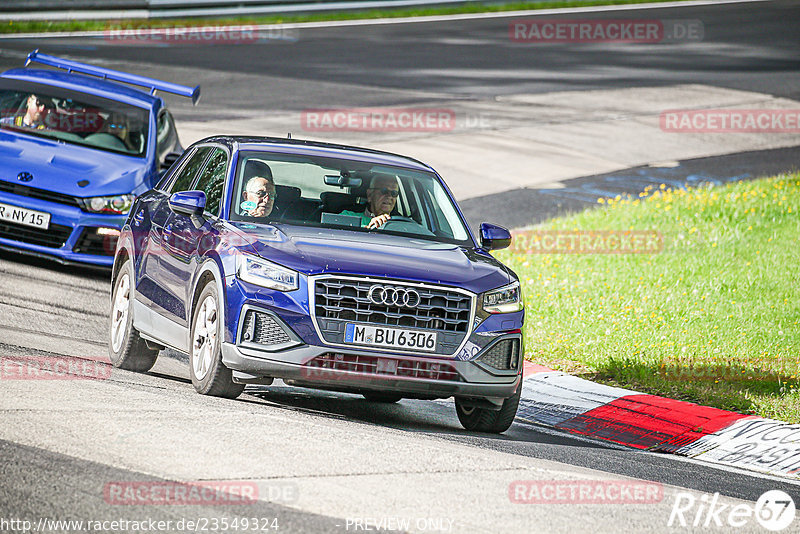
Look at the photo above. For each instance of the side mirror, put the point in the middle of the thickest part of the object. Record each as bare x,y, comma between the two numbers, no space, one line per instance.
189,203
169,159
494,237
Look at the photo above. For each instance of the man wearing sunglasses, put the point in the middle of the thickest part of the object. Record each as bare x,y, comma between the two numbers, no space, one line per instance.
33,117
381,200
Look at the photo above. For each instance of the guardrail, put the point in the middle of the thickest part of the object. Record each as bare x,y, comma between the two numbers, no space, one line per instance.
30,10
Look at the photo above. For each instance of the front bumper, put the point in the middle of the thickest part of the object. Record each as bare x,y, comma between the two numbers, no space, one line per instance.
301,365
70,238
290,348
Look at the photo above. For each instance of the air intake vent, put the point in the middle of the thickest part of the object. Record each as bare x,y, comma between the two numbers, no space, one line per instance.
40,194
54,237
503,355
262,329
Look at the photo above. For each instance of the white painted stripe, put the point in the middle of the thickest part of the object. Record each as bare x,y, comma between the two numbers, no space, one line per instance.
553,397
757,444
713,465
417,20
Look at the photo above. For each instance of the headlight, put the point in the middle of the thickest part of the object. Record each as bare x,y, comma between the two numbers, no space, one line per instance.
265,273
118,204
507,299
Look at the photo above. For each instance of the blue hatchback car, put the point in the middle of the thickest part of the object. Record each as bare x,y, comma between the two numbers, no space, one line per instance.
326,266
77,145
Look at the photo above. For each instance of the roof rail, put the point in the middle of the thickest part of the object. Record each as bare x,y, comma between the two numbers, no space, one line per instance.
133,79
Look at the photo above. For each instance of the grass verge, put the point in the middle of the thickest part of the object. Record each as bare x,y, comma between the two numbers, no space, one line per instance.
473,7
712,318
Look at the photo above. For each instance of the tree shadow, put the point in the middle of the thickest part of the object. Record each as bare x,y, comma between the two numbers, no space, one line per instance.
728,386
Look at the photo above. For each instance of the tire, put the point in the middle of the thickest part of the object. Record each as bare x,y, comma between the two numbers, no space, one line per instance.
209,374
126,349
486,420
388,398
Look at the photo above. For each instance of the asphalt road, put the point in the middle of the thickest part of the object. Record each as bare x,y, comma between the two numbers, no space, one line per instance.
61,441
748,46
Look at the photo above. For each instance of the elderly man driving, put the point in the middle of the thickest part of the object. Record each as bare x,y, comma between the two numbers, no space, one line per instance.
381,200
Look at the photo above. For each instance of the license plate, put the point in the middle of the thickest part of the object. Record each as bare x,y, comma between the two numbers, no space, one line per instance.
14,214
396,338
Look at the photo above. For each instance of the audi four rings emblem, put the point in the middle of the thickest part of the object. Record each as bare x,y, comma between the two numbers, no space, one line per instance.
393,296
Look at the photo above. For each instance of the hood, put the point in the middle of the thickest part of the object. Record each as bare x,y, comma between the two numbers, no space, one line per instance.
317,250
59,167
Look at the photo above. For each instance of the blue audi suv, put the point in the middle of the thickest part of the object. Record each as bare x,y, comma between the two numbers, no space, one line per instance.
322,265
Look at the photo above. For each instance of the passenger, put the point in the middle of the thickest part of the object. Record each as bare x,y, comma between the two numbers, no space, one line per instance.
33,117
381,200
259,194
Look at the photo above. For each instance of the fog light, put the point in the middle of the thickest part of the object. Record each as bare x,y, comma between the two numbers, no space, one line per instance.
108,231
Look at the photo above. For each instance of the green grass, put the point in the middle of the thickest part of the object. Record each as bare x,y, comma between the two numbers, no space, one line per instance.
476,7
712,318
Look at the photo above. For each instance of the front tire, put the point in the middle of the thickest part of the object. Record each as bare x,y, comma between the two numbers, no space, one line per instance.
126,349
486,420
209,374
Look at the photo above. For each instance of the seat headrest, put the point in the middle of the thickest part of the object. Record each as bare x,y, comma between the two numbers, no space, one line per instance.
336,202
287,194
254,167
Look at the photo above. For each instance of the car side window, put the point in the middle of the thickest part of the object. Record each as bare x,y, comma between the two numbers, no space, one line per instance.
166,135
188,173
212,180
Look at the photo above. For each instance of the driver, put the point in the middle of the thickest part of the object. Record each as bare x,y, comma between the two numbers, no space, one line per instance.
381,200
34,114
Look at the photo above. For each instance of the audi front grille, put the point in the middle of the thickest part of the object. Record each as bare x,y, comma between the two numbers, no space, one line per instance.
338,301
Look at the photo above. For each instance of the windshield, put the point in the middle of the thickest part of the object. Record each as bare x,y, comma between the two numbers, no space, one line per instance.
73,117
345,194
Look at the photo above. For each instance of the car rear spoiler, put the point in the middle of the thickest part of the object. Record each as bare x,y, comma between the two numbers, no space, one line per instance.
133,79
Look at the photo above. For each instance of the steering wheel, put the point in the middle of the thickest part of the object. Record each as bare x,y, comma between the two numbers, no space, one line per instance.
417,228
398,218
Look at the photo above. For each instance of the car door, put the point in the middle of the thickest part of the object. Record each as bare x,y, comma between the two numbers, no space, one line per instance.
183,239
165,302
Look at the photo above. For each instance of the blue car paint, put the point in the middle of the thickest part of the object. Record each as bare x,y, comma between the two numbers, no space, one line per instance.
170,288
59,167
